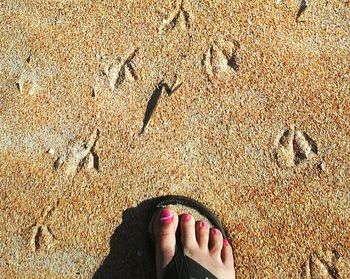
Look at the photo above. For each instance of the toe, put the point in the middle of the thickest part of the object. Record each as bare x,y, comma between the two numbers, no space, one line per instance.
227,254
202,234
188,234
215,242
164,227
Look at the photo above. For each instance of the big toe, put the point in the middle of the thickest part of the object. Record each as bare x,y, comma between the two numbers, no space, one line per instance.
164,227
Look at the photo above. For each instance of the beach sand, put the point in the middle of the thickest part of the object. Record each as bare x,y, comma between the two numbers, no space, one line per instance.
241,105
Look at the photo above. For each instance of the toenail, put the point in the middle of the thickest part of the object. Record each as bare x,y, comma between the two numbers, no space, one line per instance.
186,217
166,217
203,224
225,242
215,231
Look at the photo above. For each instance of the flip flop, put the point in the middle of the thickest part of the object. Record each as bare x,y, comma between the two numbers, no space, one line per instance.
182,266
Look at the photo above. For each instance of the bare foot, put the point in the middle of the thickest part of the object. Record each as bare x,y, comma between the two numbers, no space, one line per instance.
205,246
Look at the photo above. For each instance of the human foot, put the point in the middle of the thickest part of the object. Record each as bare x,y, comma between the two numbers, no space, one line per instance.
204,245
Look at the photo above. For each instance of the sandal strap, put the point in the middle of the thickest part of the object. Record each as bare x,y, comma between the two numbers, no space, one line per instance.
183,267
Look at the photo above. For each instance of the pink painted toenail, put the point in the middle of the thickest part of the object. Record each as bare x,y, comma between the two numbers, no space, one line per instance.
186,217
225,242
203,224
166,217
215,231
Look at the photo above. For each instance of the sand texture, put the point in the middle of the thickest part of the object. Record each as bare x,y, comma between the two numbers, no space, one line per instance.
106,105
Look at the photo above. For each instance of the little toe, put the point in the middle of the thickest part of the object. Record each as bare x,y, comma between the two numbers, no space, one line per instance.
202,234
227,254
188,234
215,242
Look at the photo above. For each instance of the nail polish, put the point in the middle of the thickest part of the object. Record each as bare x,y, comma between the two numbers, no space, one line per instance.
166,217
203,224
225,242
215,231
186,217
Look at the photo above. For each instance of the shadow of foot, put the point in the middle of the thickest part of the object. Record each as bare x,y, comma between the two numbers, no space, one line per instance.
131,253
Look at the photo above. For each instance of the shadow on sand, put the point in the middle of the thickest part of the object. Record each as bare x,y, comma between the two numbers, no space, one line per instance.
131,253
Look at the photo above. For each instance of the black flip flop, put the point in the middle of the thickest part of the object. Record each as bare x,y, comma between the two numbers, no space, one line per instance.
181,266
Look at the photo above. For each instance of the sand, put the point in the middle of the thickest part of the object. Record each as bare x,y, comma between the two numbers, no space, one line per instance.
106,105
